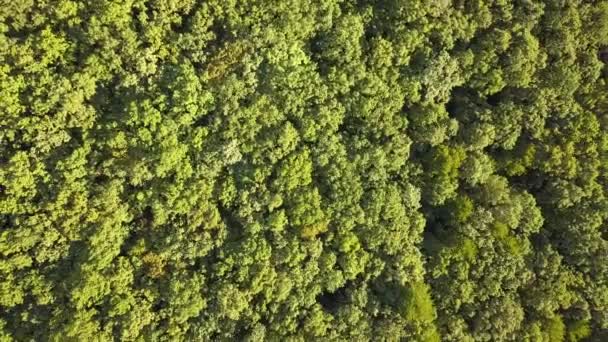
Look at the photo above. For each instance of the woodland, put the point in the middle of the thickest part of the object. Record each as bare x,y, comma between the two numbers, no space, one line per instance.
304,170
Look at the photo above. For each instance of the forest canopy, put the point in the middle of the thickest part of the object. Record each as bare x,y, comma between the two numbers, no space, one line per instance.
304,170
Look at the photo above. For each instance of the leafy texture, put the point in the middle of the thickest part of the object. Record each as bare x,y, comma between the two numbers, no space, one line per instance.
402,170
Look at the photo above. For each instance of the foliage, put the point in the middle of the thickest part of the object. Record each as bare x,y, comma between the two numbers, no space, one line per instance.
303,170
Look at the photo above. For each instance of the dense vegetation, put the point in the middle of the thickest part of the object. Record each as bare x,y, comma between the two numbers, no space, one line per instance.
302,170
